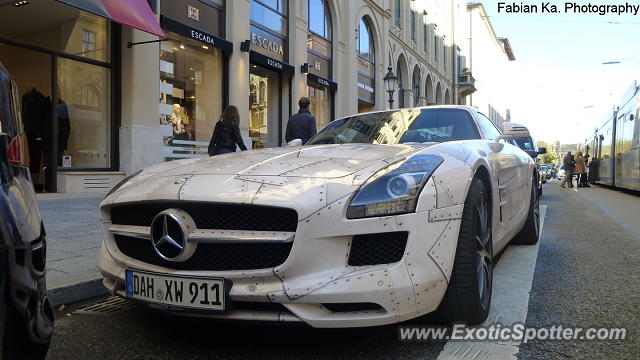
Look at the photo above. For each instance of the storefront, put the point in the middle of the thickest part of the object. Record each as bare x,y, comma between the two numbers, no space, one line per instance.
193,62
320,89
63,60
269,74
62,55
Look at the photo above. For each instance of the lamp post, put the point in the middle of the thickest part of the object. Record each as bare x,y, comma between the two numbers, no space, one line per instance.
390,85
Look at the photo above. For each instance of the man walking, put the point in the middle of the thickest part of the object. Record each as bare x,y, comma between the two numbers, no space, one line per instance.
301,125
567,164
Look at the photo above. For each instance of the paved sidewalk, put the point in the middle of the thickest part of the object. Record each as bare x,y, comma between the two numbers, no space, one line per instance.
72,223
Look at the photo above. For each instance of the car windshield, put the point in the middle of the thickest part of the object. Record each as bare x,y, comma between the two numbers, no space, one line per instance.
525,144
400,127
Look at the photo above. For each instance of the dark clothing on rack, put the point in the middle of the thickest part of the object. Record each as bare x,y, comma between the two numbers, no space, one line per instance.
224,139
301,126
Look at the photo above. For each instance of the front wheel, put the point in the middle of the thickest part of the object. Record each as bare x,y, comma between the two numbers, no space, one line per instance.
468,296
530,233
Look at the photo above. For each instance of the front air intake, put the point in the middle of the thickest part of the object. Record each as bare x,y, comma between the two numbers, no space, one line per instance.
376,249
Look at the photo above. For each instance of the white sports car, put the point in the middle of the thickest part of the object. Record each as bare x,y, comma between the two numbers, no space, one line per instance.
380,218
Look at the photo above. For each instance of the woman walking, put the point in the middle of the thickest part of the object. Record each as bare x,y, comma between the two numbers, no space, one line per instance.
581,170
226,133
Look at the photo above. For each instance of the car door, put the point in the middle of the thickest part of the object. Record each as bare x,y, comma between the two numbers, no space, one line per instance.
509,168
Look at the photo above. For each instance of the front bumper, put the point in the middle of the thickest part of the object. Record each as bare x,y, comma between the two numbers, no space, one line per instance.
317,273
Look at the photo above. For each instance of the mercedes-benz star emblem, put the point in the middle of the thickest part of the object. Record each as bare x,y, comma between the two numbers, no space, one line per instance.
170,231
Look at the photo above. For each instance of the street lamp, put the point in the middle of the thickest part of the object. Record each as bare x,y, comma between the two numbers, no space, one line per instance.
390,85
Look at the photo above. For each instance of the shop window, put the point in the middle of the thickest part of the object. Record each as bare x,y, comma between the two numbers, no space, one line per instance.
320,105
84,107
264,113
190,90
75,32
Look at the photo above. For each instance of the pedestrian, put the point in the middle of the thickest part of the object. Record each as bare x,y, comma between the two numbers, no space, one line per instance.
567,164
581,170
593,170
226,133
301,125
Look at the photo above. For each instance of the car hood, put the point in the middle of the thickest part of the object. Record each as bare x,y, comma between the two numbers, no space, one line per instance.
305,178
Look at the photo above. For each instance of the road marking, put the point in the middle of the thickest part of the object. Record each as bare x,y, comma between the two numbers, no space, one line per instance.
512,279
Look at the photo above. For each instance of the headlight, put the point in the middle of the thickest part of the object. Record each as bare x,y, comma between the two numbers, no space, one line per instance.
122,182
395,189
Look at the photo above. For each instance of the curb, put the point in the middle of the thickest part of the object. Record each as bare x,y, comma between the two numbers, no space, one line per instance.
77,292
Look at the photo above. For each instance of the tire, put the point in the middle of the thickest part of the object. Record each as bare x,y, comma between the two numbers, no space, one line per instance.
15,343
14,340
468,296
530,233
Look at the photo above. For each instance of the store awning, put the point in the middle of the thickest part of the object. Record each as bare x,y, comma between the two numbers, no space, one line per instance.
134,13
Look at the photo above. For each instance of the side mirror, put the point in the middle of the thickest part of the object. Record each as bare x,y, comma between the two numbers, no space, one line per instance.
295,142
515,131
542,150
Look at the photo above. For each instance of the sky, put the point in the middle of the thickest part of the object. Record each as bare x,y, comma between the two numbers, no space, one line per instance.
561,88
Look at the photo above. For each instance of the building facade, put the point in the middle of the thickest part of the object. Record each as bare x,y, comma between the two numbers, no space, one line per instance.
128,99
489,62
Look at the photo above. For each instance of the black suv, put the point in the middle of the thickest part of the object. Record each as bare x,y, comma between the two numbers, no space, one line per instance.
529,146
26,314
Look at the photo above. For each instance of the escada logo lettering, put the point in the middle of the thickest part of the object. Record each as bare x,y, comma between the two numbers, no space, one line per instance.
202,37
274,64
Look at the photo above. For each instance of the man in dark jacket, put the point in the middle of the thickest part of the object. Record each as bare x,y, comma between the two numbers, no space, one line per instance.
301,125
568,163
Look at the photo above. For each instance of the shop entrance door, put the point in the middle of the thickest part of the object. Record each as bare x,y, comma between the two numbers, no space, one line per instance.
31,70
264,107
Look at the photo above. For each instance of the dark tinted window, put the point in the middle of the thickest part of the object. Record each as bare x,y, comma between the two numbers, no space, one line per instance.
525,144
488,127
401,126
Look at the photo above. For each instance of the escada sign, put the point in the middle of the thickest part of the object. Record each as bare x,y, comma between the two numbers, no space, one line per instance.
267,44
203,37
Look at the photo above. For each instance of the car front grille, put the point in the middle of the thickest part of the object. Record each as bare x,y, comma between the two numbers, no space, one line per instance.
211,215
375,249
211,256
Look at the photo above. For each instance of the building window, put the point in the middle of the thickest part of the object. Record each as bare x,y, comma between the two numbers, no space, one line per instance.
319,21
425,29
366,67
88,41
413,25
444,52
319,51
435,42
458,61
400,89
397,11
272,14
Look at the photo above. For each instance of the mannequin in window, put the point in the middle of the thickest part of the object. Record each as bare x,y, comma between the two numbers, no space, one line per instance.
178,120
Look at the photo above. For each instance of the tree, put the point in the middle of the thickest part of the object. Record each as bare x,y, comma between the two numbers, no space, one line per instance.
548,158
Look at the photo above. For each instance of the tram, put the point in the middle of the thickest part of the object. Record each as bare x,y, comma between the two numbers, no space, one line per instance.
615,145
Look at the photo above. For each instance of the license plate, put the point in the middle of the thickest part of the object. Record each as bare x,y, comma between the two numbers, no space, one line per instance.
187,292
